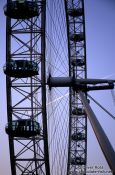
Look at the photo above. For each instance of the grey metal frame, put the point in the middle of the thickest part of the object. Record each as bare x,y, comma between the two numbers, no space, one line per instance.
25,39
103,141
77,123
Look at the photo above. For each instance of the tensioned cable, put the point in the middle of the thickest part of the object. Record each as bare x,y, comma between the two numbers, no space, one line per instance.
57,37
56,52
57,130
59,55
111,115
60,125
62,22
57,110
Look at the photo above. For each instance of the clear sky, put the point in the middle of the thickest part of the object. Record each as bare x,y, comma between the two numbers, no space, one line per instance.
100,38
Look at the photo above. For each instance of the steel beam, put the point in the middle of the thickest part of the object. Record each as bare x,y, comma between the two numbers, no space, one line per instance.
43,77
104,143
70,81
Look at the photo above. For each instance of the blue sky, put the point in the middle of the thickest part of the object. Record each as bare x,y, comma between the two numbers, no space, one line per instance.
100,38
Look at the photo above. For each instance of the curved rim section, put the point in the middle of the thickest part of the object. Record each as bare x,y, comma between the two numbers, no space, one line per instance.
77,150
26,95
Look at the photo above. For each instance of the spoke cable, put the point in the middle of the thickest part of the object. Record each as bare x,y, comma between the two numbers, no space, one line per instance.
111,115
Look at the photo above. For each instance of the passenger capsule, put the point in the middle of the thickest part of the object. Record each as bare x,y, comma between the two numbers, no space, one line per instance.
78,136
77,37
21,68
21,9
23,128
78,62
78,161
78,111
75,12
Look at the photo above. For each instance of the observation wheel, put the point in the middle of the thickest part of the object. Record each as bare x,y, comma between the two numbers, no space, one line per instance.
47,85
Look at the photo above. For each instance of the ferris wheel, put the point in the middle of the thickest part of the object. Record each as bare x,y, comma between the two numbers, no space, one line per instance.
47,85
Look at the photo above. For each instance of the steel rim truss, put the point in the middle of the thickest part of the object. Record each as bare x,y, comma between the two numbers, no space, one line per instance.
77,151
25,40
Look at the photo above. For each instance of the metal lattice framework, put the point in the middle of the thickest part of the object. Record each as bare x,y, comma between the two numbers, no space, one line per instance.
46,51
77,57
25,40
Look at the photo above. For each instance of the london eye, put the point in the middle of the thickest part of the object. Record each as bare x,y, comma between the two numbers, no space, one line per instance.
47,89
